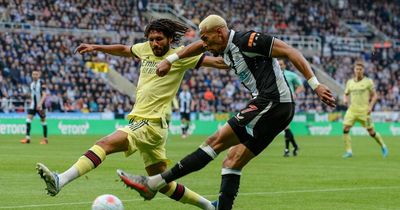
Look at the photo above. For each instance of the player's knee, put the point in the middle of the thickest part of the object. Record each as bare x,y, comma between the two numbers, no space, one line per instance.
372,133
214,142
233,160
104,143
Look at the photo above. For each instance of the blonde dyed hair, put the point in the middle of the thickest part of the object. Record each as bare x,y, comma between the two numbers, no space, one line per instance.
211,22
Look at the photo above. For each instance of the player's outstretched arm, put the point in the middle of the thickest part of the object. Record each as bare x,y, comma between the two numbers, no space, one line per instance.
282,50
116,49
195,48
215,62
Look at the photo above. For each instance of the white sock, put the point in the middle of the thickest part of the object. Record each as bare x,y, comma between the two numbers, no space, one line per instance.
68,175
156,182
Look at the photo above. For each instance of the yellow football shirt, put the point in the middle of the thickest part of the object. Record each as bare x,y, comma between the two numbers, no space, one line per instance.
154,94
359,92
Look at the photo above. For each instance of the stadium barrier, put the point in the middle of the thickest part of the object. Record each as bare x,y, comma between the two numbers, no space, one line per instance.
197,127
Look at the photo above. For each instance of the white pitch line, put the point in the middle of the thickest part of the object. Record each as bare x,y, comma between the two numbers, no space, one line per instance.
240,194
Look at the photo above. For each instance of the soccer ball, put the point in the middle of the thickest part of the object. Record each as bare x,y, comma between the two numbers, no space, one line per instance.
107,202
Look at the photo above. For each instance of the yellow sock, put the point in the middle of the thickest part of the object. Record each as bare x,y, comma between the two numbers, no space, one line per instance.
378,139
347,142
184,195
90,160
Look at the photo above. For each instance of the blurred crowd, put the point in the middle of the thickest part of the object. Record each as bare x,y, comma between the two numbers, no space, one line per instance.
72,87
298,17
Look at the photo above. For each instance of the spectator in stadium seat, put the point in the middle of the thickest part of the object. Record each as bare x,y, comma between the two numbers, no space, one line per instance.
252,56
147,129
209,96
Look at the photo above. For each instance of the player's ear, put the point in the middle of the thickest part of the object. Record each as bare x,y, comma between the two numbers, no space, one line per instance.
169,40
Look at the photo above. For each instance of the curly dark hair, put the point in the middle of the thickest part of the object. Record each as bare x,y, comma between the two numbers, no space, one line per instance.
171,29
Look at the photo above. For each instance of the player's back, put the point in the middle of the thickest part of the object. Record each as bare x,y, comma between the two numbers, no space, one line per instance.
293,80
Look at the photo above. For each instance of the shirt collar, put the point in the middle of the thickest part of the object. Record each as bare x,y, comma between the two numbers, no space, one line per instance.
231,34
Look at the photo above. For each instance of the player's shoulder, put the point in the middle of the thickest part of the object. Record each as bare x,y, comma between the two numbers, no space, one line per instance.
244,36
369,80
142,46
176,49
350,81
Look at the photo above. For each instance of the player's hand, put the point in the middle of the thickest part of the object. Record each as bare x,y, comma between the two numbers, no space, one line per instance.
84,48
325,95
163,68
38,107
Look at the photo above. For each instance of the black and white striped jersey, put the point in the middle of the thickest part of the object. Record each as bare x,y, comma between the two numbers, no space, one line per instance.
249,55
37,90
185,101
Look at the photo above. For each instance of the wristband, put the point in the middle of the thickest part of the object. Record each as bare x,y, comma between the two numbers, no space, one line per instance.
172,58
313,82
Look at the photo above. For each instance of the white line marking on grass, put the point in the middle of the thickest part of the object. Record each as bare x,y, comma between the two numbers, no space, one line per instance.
240,194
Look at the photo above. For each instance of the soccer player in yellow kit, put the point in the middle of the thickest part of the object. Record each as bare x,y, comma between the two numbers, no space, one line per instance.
147,130
361,92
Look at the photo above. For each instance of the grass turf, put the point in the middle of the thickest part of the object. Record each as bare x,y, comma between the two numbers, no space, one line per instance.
317,179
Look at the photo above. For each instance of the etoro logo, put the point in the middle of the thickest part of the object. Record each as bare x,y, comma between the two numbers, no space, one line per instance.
320,130
73,129
12,128
395,130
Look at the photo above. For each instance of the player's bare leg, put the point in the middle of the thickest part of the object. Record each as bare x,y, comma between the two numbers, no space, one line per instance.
347,142
44,125
27,138
177,191
115,142
378,138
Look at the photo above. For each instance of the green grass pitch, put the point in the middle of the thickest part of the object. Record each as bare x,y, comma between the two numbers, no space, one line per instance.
317,179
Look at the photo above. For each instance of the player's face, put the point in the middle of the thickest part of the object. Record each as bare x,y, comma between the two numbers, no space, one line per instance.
35,75
282,65
213,41
359,71
159,43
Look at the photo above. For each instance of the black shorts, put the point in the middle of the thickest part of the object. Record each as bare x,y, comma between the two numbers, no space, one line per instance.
260,122
185,116
41,113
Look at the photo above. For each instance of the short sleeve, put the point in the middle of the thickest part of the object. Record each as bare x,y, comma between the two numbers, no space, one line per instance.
137,49
297,81
258,43
371,86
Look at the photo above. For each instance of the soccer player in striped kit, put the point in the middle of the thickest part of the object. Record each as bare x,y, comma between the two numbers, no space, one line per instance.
38,96
185,102
252,57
